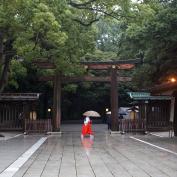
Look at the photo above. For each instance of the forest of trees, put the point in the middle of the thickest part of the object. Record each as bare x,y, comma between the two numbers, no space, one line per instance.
68,31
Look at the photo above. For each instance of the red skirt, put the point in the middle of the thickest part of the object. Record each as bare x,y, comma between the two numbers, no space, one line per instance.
87,129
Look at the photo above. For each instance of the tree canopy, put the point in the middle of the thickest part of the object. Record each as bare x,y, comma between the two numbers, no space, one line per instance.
152,35
67,31
60,31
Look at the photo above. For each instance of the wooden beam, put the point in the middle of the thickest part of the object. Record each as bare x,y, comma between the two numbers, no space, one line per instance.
85,78
126,66
104,65
96,65
163,87
93,79
19,96
113,62
108,66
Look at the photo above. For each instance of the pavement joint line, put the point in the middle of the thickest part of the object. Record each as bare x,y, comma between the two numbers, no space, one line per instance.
153,145
13,137
15,166
156,135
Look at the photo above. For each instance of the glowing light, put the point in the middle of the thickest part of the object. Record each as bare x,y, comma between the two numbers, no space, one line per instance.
172,79
49,110
107,109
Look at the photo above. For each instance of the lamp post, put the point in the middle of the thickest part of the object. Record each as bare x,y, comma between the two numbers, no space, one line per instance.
49,110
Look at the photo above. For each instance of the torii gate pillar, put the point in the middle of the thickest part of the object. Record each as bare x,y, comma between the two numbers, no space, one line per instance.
57,103
114,99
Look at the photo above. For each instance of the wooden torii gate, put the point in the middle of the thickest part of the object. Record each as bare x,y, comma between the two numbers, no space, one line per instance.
113,66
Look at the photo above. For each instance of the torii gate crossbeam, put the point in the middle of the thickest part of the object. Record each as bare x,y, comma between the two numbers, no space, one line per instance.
113,66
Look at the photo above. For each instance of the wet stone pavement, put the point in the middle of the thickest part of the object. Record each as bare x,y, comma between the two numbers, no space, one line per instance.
128,155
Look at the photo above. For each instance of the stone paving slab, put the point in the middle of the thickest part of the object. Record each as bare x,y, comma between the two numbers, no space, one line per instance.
104,156
9,135
13,148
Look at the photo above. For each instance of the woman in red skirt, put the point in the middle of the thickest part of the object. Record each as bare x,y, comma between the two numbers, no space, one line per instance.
87,127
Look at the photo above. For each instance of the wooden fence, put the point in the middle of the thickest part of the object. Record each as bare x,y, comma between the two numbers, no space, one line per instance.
129,125
9,116
140,125
158,125
38,126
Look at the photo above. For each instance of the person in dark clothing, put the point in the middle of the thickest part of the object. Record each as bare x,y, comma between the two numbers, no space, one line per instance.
20,119
108,121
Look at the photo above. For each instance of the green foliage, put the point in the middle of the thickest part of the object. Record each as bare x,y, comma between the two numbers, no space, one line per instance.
18,71
99,55
144,76
41,34
70,88
124,99
108,35
87,96
45,29
152,34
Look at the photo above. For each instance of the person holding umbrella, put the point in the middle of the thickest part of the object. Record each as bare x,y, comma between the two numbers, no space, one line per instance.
87,127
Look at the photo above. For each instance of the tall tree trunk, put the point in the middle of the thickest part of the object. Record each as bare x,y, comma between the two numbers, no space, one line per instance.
4,75
1,50
4,65
1,58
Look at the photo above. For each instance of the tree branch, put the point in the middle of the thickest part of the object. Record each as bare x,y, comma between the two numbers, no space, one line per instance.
86,24
36,40
84,6
73,4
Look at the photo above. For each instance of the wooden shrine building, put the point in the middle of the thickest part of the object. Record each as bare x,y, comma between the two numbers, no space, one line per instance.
170,89
154,111
15,108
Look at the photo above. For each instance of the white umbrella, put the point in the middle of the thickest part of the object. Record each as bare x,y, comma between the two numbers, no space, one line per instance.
91,114
109,112
132,110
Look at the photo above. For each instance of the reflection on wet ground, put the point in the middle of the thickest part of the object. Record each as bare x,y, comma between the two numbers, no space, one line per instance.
106,155
87,143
